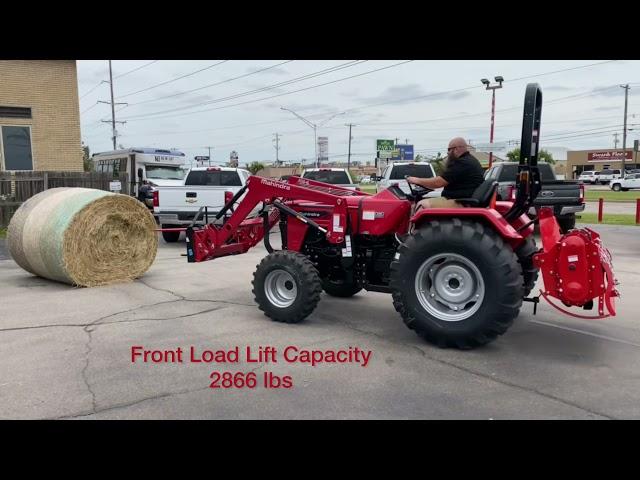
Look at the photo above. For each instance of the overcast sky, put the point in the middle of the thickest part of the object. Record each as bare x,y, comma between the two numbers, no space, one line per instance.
236,105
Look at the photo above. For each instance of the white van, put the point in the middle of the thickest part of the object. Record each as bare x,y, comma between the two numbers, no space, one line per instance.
160,167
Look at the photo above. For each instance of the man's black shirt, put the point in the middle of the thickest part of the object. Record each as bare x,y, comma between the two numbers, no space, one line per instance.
464,175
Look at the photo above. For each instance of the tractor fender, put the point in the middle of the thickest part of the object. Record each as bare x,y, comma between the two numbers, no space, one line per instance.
487,216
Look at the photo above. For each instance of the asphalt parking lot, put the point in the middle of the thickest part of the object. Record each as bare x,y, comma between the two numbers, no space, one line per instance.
66,352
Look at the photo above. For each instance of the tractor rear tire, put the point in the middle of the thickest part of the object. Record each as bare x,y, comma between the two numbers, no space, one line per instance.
286,286
529,270
340,288
457,283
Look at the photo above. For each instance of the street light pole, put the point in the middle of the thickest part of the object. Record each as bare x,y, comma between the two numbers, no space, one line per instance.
315,128
493,88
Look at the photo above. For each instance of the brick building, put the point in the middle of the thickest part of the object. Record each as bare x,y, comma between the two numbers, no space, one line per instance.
39,115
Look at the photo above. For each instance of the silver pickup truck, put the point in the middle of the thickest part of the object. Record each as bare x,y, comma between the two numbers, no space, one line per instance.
210,187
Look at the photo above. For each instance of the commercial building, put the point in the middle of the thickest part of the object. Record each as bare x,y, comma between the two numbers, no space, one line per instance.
39,115
579,161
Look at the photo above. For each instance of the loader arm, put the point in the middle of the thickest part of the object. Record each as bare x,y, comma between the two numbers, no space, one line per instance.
237,234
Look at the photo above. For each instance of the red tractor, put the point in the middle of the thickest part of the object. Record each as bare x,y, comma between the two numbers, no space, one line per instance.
457,277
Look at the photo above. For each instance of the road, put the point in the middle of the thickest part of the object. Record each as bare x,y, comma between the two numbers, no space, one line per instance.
66,352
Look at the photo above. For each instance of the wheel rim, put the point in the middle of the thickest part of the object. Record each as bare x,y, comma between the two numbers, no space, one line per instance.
449,287
280,288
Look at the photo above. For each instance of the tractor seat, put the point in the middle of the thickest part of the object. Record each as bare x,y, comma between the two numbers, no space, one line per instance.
481,196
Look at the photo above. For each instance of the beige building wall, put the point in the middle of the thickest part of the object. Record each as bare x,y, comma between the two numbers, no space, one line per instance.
50,89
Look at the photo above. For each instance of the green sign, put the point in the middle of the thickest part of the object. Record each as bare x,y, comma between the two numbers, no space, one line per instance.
385,145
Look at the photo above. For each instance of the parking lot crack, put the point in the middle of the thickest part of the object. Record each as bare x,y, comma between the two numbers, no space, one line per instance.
135,402
481,374
85,377
181,297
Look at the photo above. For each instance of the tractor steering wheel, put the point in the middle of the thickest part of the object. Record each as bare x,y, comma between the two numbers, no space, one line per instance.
419,192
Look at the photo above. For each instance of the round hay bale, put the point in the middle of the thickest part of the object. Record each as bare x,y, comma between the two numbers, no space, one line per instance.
82,236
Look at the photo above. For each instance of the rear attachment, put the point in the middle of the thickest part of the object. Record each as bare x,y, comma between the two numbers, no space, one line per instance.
576,268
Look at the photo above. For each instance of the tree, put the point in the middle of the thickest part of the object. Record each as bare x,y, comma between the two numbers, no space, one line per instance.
438,163
255,167
87,164
543,156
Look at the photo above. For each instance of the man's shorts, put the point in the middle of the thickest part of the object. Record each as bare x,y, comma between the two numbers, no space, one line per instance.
437,202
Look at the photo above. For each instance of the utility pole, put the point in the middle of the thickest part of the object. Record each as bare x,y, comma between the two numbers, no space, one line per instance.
277,147
615,140
624,132
113,122
350,137
493,88
209,148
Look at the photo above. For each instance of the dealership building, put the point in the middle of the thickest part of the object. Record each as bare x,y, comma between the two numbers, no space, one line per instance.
579,161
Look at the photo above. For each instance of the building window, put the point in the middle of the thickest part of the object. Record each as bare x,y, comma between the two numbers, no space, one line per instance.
15,112
16,148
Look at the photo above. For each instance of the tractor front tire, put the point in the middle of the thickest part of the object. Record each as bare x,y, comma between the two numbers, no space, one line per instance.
286,286
457,283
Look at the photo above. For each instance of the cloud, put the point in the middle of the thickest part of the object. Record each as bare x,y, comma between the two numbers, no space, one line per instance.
409,92
607,108
612,91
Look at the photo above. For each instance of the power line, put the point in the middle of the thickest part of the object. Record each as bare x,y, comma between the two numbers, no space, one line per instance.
91,90
474,87
135,69
268,87
250,92
173,80
282,94
86,110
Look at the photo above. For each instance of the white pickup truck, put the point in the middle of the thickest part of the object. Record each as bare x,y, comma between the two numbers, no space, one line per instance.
210,187
334,176
396,172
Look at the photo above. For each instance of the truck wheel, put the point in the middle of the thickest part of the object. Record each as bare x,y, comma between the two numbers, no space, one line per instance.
340,288
529,271
616,187
457,284
566,223
286,286
170,237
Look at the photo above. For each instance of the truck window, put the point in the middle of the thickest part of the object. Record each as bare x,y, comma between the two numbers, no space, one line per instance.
509,172
213,178
165,172
398,172
328,176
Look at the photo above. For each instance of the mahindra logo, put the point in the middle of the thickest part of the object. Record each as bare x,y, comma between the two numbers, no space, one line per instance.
271,183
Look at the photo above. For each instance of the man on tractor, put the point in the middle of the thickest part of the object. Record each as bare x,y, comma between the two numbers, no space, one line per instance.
462,175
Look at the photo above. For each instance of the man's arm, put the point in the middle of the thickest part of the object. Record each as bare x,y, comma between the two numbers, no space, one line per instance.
432,183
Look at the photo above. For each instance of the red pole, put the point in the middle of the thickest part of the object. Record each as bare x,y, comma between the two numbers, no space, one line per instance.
493,113
637,211
600,203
